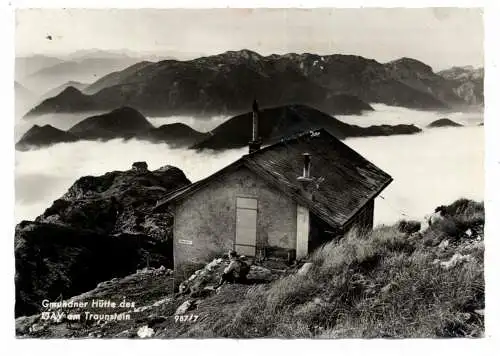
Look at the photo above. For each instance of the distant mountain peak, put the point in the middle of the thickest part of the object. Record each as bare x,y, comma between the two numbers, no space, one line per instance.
121,122
244,53
45,127
127,110
411,63
46,135
124,122
285,121
59,89
70,91
74,83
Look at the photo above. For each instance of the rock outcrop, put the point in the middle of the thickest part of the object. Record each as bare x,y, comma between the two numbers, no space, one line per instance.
118,201
103,227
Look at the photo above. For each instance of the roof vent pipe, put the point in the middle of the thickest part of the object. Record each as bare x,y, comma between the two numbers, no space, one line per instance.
307,166
306,180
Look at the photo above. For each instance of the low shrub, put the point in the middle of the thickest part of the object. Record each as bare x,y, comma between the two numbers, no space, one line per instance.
409,227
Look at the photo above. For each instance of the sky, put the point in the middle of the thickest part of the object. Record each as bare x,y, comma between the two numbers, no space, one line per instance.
440,37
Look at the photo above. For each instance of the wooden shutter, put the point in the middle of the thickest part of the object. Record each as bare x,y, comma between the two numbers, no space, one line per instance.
246,226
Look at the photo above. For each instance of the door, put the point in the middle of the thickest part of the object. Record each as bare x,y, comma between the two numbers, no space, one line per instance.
246,226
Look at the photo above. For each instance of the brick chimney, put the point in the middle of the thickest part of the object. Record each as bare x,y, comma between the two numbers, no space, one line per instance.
256,142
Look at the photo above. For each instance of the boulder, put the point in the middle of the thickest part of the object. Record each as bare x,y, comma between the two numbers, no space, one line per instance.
304,270
479,311
184,307
141,167
145,331
455,260
208,275
443,245
444,122
206,278
259,273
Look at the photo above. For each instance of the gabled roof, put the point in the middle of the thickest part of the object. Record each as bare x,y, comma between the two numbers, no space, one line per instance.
349,181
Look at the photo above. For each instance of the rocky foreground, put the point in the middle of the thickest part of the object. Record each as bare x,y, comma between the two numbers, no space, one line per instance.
140,303
398,281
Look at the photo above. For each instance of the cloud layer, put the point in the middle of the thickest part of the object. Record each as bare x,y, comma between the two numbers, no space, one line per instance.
429,169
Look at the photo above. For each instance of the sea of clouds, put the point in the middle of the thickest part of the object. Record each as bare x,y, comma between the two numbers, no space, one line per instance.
432,168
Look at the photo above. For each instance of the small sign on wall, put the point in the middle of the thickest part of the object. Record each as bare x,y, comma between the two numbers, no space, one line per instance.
185,242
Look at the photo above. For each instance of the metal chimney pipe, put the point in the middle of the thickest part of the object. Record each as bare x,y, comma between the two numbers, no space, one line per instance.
307,165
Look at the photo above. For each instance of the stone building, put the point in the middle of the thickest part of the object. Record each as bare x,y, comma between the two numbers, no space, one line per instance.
284,200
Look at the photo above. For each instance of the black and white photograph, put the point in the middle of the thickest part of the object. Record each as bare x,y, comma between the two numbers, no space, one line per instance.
249,173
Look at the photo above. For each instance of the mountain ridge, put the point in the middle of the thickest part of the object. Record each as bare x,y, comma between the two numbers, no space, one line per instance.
274,123
283,121
124,122
226,82
467,82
